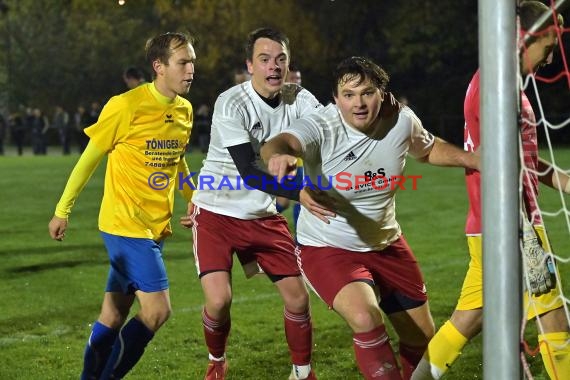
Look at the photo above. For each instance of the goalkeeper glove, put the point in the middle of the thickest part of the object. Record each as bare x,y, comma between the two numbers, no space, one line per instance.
538,264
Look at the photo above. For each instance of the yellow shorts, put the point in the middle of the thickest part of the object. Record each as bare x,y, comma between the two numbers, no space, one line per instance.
472,291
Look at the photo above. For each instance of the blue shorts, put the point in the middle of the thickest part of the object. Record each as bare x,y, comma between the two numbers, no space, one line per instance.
136,264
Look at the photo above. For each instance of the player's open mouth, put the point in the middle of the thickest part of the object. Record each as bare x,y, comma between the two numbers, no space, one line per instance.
273,79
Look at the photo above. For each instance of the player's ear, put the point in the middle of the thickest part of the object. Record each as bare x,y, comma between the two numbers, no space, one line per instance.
158,67
249,65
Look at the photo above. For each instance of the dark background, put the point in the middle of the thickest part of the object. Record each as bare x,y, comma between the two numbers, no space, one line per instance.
74,51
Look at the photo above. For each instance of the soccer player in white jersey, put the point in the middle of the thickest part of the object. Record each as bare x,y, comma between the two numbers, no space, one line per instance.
356,149
230,215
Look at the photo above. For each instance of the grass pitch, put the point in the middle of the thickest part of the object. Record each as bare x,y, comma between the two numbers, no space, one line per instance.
51,291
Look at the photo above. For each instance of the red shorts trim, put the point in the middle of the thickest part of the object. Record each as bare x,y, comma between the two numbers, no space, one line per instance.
394,270
267,240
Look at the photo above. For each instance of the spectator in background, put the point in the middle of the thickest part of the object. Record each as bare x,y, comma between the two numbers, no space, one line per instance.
94,111
3,129
202,125
17,131
81,121
61,124
294,75
133,77
39,124
241,75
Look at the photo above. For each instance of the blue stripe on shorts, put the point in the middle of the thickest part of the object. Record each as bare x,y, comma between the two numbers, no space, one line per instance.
136,264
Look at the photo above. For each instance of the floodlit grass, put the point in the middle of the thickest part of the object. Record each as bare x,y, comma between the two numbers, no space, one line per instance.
51,291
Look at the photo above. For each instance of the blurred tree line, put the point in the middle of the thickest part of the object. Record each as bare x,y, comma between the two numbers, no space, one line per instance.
74,51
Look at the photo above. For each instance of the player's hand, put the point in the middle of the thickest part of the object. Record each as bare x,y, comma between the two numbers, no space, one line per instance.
538,264
318,203
282,165
57,227
187,220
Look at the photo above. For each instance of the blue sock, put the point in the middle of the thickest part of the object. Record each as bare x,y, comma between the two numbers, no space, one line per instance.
97,350
127,350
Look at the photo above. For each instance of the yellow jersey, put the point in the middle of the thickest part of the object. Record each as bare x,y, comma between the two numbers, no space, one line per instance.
144,134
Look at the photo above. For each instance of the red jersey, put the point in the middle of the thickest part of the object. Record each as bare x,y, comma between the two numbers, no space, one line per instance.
471,141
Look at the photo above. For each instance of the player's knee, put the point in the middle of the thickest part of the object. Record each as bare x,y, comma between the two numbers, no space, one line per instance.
294,293
296,302
155,317
364,320
298,305
113,318
112,321
218,306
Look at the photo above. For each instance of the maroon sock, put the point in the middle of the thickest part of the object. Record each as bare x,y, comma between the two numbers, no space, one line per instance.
216,334
410,357
374,355
299,334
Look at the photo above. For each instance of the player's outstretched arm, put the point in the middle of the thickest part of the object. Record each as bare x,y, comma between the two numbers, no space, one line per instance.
57,227
282,165
280,154
81,173
283,143
256,177
445,154
553,177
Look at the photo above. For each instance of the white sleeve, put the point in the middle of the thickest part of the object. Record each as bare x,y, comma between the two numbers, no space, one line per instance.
421,140
229,122
307,103
309,134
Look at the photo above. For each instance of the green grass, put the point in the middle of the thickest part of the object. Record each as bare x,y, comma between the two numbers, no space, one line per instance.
51,291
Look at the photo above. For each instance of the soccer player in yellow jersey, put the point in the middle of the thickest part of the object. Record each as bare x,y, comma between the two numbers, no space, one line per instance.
144,133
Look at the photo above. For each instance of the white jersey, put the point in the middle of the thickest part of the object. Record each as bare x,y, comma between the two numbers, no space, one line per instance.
242,116
341,158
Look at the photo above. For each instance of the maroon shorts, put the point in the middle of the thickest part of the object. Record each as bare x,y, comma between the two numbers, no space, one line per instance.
393,270
267,240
